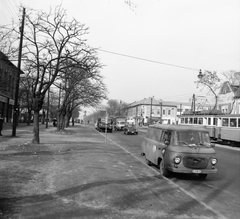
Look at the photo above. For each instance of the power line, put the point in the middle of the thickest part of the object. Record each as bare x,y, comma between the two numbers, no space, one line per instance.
148,60
9,8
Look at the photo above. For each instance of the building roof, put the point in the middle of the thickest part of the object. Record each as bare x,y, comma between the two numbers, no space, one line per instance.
5,59
237,93
154,102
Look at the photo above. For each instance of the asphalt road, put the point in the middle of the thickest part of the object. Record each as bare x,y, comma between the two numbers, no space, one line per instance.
220,191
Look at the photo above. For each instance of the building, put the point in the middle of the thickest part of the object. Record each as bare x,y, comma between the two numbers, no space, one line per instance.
8,77
229,98
164,111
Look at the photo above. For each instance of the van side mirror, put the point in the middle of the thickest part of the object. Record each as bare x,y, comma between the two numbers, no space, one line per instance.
166,142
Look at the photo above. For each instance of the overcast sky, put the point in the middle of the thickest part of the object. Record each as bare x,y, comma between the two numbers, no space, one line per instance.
170,41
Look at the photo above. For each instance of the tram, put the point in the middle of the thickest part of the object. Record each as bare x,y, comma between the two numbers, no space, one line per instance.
222,128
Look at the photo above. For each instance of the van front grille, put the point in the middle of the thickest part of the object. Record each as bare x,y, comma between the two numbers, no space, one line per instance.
195,162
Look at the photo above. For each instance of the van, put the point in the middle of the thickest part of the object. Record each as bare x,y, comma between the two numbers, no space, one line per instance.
179,149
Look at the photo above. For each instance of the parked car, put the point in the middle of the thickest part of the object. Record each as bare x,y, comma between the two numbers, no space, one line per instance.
130,129
179,149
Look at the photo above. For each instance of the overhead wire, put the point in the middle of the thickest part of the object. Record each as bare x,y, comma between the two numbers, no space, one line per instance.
10,9
148,60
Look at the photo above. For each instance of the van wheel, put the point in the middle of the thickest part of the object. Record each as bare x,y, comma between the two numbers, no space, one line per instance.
163,170
149,163
202,175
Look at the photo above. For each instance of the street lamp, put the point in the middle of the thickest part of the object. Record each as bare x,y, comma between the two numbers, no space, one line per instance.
161,112
200,75
151,111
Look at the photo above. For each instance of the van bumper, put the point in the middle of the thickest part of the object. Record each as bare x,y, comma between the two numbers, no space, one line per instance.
204,171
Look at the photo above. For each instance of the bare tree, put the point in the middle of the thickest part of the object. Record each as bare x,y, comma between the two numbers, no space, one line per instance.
82,87
230,76
212,83
51,45
9,42
116,108
25,94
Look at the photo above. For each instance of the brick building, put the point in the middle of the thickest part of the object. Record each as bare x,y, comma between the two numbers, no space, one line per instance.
8,76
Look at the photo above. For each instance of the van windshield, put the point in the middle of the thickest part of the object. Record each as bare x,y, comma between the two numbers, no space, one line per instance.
193,138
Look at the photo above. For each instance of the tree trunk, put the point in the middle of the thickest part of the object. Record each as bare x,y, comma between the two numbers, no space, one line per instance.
61,121
43,117
29,117
36,139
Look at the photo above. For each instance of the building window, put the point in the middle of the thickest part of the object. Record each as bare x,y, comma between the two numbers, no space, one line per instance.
163,112
169,112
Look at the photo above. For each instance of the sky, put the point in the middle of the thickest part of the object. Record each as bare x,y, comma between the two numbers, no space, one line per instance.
155,48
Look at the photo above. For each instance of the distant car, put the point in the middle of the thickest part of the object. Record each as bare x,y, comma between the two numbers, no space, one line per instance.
77,120
96,125
130,129
179,149
119,125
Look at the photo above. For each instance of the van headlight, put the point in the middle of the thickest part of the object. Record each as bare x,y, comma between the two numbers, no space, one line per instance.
177,160
163,151
214,161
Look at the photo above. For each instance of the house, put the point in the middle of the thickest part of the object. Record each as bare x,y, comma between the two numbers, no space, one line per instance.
8,78
229,97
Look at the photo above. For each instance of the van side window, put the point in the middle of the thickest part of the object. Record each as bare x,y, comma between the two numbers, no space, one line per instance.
148,134
166,136
157,134
154,134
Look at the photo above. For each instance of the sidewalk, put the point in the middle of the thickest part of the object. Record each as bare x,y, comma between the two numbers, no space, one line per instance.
76,175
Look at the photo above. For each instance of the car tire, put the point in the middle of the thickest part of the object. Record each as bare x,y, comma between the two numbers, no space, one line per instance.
149,163
202,175
163,170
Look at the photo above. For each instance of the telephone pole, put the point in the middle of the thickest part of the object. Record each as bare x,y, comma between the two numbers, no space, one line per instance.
16,110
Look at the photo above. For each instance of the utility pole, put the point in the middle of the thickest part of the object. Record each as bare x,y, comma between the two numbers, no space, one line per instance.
161,112
193,103
48,101
16,110
59,97
151,111
136,120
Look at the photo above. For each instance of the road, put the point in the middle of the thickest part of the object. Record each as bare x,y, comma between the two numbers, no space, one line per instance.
219,191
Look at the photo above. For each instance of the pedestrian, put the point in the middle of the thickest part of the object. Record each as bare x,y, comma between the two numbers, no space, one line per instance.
72,121
1,124
54,122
